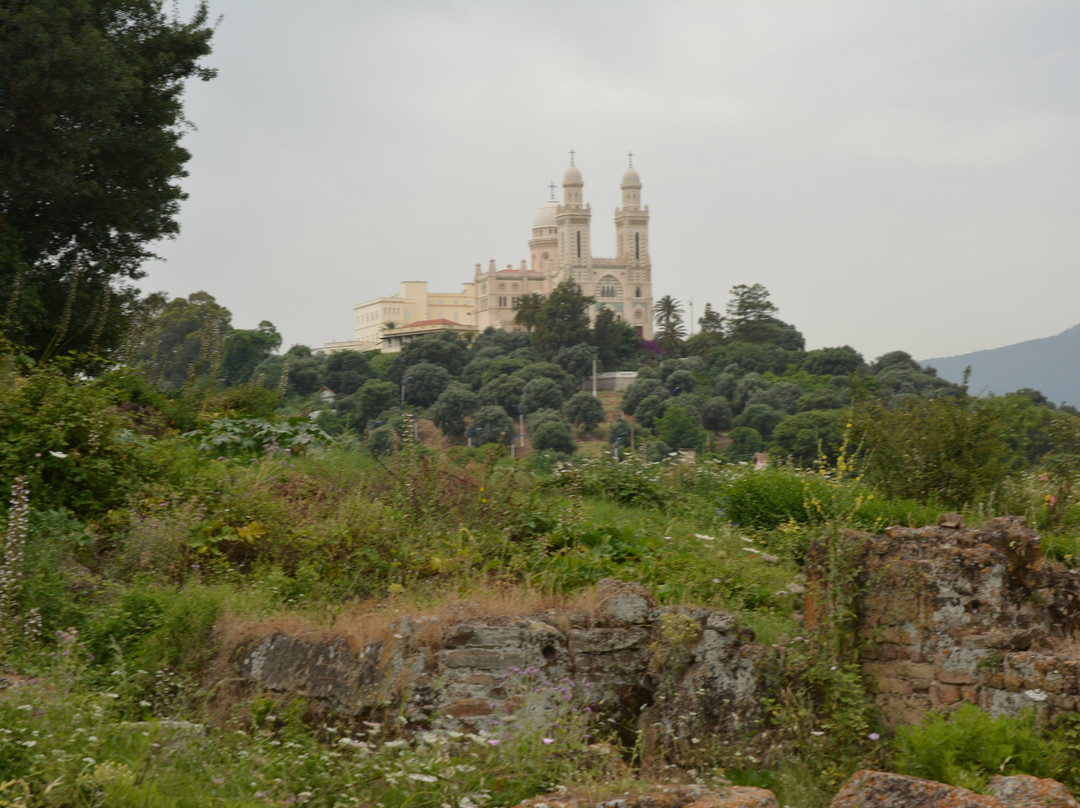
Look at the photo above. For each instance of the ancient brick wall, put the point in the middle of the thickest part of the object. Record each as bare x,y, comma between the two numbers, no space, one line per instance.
948,614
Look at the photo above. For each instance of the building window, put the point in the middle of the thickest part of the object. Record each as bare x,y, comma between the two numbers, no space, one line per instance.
637,292
609,287
502,302
579,244
637,245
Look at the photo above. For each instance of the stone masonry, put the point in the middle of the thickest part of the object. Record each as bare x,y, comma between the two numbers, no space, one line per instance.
674,671
948,615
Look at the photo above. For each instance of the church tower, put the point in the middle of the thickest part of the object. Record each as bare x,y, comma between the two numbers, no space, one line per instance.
573,219
632,221
544,244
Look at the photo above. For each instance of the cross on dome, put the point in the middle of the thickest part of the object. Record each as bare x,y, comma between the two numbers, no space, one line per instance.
631,156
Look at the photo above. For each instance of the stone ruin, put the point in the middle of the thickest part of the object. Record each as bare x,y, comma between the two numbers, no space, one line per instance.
948,614
676,672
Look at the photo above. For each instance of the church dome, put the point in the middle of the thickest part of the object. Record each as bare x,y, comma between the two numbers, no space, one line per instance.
630,177
545,217
572,176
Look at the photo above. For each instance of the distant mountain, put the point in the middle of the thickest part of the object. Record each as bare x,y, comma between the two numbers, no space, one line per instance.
1051,365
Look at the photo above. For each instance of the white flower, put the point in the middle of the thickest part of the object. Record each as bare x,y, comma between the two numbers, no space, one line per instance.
58,454
1036,695
424,778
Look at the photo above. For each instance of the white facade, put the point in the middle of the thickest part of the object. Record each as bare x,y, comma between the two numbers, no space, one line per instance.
559,250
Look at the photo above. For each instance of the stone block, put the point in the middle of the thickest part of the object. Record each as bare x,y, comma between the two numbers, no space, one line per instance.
870,789
1025,791
954,677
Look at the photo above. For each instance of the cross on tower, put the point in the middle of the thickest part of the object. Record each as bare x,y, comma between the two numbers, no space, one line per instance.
631,156
552,187
571,157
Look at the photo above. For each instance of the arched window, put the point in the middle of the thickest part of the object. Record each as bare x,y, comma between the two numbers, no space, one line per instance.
637,291
637,245
608,287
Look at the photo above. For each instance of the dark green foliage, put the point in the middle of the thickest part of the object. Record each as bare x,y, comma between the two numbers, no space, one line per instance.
806,436
553,436
491,425
577,360
749,357
716,414
819,399
782,396
833,361
245,348
622,432
443,348
680,429
231,436
750,318
180,339
535,420
650,410
539,394
967,747
568,384
68,438
899,360
375,397
744,442
563,320
760,417
382,441
615,339
680,382
745,389
504,391
453,406
90,126
950,450
346,371
424,383
496,342
585,411
638,391
771,497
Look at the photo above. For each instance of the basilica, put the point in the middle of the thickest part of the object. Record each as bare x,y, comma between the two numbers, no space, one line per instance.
560,249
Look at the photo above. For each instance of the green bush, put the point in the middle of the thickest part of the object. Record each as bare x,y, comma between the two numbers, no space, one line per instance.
766,498
967,747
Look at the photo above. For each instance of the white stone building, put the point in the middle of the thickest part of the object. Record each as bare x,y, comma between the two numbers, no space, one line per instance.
559,250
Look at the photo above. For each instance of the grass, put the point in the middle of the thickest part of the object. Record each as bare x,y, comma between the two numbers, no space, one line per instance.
141,607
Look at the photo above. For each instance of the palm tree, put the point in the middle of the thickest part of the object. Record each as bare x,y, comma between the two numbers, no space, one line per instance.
528,310
388,325
669,338
667,311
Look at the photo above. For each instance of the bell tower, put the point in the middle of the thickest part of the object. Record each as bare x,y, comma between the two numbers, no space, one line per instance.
573,220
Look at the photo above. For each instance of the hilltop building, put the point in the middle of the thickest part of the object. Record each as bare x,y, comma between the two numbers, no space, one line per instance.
560,249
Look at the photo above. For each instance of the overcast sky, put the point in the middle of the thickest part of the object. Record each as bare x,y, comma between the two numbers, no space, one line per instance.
899,175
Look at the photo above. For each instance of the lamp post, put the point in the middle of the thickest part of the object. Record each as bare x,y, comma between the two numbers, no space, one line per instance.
473,433
521,426
615,448
403,389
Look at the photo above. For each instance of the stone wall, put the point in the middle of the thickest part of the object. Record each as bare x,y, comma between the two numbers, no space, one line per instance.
948,614
673,671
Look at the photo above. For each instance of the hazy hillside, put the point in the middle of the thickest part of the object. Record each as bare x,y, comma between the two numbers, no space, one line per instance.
1048,364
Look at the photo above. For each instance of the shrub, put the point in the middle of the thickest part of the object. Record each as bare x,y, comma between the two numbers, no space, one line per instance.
554,435
541,393
584,410
716,414
761,417
491,425
745,441
680,429
967,747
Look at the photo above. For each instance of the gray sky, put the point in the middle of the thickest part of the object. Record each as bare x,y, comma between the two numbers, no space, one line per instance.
899,175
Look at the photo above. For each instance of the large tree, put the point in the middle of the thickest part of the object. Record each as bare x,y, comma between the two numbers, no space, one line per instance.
91,120
563,319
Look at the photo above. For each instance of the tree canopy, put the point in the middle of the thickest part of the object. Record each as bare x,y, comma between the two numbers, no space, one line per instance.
91,119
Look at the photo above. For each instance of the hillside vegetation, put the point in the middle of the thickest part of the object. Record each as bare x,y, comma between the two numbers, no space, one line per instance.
157,506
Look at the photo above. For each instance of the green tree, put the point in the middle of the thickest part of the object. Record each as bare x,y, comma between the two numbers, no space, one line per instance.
527,310
584,410
541,394
638,391
716,414
375,397
761,417
833,361
745,441
453,406
424,383
711,321
615,339
806,436
751,317
577,360
245,349
443,348
491,425
346,371
181,339
563,320
554,436
680,429
667,311
90,126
